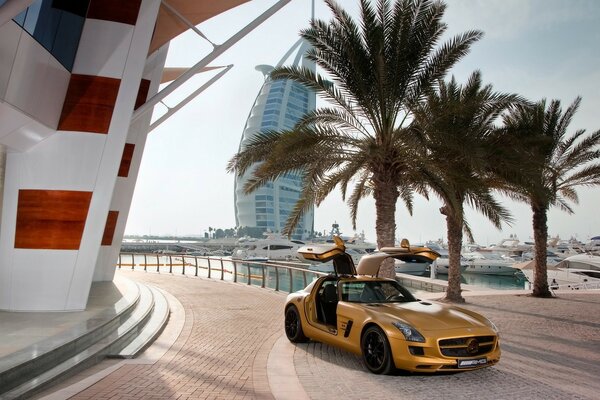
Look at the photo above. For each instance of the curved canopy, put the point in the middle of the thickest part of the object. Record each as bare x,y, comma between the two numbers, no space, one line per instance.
172,73
169,26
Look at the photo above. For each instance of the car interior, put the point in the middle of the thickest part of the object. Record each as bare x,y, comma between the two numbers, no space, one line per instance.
327,303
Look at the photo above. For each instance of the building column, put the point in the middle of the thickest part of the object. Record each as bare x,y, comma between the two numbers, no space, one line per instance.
128,170
57,210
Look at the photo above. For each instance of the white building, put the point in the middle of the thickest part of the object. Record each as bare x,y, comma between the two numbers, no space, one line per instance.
279,105
78,82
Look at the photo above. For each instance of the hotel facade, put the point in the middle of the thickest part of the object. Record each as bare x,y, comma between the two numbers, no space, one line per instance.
278,106
78,82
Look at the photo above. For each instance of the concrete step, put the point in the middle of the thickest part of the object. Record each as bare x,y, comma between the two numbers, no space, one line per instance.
150,331
26,363
109,339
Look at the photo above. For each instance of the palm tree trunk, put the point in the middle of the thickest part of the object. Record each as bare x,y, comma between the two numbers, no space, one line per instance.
540,236
386,196
454,231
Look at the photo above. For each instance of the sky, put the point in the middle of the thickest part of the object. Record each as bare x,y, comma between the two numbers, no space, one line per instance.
535,48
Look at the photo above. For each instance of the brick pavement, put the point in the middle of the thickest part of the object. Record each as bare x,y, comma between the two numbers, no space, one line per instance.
550,351
220,354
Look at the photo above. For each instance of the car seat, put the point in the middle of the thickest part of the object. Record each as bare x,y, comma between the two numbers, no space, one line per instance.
369,295
329,303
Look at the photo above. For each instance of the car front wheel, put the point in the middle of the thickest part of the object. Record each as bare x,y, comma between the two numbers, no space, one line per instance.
376,351
293,326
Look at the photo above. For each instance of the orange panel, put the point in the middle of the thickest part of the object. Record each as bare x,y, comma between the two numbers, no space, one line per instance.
109,229
126,160
115,10
142,93
51,219
89,104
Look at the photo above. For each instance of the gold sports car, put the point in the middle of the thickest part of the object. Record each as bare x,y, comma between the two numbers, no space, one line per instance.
382,321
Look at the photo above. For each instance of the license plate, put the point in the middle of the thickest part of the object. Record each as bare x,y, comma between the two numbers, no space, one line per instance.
474,362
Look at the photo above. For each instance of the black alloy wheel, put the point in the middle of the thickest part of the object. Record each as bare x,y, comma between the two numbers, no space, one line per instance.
293,326
376,351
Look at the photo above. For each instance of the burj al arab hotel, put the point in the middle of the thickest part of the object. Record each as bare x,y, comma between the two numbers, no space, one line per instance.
279,105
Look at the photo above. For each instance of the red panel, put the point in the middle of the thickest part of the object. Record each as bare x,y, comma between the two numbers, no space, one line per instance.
126,160
89,104
109,229
51,219
142,95
115,10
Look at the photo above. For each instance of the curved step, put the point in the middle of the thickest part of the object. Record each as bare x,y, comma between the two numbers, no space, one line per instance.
121,335
29,362
153,327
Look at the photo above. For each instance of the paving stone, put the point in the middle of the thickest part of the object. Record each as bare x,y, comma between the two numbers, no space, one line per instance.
550,351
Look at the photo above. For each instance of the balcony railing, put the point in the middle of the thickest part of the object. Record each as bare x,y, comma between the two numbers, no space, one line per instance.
284,276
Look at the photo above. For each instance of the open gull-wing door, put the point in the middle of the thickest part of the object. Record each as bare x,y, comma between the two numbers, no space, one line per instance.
370,263
336,252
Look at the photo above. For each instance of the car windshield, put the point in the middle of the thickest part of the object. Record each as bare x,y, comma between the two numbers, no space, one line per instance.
375,292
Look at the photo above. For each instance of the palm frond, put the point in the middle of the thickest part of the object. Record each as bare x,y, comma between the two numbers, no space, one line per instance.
587,176
257,150
490,208
467,231
361,190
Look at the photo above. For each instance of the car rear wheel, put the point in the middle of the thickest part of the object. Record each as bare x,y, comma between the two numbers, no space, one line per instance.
293,326
376,351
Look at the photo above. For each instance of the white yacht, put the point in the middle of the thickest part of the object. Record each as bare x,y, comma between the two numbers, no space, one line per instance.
489,264
583,264
412,267
565,248
357,242
273,247
593,246
442,264
576,272
508,247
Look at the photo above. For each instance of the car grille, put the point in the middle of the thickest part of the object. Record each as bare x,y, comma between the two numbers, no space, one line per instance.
467,346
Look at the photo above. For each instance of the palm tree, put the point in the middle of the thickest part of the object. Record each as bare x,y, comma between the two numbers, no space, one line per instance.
559,163
457,126
377,69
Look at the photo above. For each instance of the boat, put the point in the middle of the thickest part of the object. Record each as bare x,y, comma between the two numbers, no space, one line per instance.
442,264
508,247
490,264
586,272
581,262
576,272
412,267
565,248
593,246
357,242
271,248
552,258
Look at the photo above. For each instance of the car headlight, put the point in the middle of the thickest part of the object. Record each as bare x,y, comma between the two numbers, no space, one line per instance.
493,326
410,333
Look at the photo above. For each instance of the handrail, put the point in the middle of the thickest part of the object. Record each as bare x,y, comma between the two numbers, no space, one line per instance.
264,274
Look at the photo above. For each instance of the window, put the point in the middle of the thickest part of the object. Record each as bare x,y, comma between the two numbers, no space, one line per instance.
375,292
279,247
56,25
269,224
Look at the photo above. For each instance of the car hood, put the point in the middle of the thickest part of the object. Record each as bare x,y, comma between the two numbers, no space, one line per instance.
430,316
